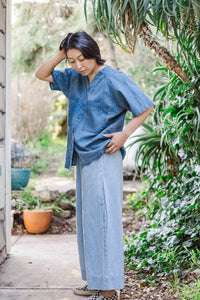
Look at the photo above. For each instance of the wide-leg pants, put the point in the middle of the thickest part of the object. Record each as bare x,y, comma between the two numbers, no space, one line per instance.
99,222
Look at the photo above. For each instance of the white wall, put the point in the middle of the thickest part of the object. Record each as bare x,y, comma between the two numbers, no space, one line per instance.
129,160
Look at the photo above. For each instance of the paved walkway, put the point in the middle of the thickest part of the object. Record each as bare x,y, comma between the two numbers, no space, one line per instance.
45,267
42,267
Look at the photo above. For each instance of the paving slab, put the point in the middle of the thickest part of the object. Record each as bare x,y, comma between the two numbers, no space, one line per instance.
47,294
64,184
41,267
53,183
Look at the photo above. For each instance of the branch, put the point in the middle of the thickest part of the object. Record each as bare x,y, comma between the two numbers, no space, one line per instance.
147,36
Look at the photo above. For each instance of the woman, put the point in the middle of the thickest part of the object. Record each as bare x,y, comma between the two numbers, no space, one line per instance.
99,98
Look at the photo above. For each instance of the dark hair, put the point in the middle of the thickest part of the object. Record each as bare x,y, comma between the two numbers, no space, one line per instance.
83,42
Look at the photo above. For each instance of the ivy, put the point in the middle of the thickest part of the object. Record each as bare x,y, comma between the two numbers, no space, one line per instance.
169,153
174,226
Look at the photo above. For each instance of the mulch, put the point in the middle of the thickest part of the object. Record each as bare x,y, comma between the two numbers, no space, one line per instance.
135,287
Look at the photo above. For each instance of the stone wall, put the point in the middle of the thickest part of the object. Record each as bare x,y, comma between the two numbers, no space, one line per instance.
2,127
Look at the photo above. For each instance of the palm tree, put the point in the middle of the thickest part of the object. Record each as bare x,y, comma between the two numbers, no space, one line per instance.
133,18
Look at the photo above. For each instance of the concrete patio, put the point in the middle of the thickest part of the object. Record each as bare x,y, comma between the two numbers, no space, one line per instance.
41,267
45,266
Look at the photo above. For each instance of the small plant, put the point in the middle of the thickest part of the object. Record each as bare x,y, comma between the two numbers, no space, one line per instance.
195,258
30,202
185,290
135,201
126,239
72,200
139,202
190,291
21,163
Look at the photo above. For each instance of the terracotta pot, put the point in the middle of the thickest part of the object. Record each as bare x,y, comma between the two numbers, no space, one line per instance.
37,220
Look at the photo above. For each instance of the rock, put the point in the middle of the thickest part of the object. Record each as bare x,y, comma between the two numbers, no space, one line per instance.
44,195
66,205
72,221
197,271
54,195
65,214
58,220
127,175
41,188
70,194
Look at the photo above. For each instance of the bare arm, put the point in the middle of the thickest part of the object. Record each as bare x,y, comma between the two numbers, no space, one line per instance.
119,138
44,72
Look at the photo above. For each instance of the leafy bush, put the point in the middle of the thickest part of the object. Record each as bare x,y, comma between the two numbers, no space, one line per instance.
135,201
170,154
174,227
39,167
49,155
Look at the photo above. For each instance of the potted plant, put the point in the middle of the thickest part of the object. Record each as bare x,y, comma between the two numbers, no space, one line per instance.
20,165
36,214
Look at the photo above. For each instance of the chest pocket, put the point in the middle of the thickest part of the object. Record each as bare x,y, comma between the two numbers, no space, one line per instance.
97,114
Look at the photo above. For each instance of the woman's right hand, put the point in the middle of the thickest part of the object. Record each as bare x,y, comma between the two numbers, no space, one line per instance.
44,72
62,53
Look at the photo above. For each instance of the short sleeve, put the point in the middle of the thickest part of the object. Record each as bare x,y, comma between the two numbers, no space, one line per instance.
61,81
128,95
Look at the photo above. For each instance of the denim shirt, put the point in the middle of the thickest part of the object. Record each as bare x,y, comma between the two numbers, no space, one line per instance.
96,109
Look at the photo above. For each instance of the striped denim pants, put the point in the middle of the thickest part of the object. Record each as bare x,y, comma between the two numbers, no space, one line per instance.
99,194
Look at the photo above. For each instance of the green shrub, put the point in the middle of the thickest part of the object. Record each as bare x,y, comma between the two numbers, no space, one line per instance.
39,167
170,154
174,224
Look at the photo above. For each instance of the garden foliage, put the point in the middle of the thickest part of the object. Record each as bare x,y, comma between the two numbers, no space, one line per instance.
170,146
170,152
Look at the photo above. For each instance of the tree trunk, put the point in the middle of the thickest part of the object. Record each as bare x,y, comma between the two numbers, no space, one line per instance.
147,36
63,124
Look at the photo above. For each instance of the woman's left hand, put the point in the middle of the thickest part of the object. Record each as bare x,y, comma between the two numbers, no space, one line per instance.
118,140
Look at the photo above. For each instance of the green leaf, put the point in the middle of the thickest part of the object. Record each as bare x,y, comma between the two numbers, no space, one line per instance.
85,9
159,69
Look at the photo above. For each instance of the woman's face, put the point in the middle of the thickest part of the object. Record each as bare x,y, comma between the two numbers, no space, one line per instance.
81,64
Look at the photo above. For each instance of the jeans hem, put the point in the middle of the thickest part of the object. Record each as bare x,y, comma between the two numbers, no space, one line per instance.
105,283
